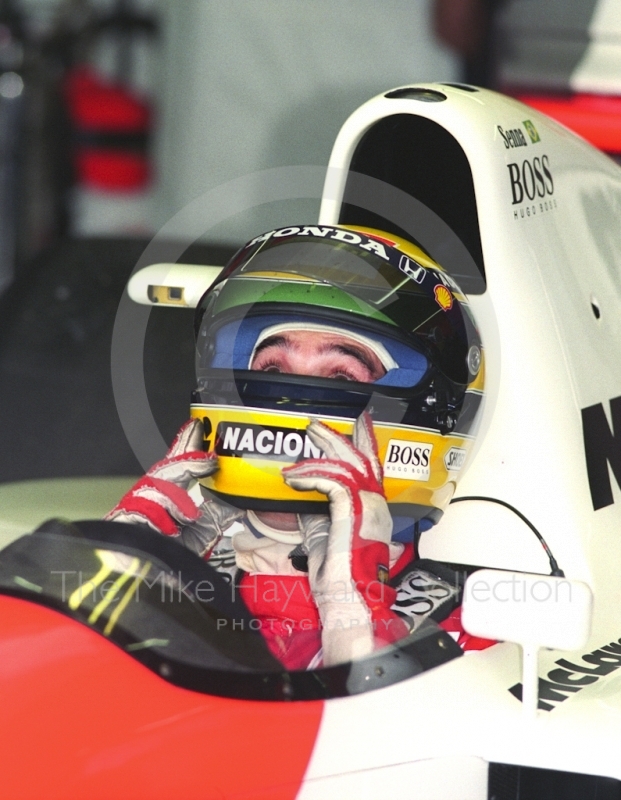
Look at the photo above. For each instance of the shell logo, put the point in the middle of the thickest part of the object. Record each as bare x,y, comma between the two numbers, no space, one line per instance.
443,297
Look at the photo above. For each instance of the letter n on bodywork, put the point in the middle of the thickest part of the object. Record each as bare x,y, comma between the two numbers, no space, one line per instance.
602,447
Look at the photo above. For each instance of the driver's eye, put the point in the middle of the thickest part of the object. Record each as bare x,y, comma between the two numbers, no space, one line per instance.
271,368
342,376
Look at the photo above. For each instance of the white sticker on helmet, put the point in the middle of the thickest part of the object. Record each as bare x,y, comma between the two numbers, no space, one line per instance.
407,460
454,458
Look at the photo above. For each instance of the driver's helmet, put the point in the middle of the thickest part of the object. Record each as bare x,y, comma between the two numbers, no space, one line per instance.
377,289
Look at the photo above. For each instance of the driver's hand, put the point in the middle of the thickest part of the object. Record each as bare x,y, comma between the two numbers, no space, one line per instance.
161,500
348,555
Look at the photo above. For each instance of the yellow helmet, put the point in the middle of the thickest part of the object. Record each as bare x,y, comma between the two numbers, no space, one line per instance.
363,283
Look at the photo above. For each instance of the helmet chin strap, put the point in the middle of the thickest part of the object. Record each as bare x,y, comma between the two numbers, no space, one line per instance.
292,537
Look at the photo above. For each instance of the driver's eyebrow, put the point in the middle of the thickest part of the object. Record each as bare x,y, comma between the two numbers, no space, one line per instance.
351,350
271,341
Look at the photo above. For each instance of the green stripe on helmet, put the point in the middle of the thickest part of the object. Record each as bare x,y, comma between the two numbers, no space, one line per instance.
250,291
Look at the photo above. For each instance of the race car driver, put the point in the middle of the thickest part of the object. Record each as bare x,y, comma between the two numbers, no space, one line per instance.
321,353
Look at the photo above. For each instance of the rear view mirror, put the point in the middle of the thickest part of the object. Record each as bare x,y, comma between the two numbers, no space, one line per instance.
171,284
533,611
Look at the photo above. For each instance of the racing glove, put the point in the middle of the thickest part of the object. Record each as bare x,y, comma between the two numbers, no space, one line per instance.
348,553
161,500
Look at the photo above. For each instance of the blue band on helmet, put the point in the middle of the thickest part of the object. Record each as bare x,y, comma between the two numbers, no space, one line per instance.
235,342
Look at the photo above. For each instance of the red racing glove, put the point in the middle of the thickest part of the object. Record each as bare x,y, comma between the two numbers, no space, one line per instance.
348,557
160,499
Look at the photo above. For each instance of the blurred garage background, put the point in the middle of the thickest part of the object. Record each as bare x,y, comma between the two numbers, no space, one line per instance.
115,114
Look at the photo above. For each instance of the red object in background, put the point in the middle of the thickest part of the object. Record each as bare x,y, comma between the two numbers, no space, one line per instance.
96,105
111,170
111,127
595,117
